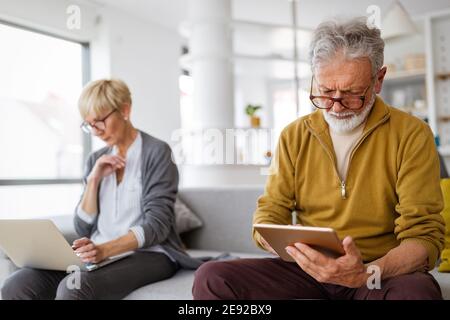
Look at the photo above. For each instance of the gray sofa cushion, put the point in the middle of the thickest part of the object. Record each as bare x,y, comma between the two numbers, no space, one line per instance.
227,218
179,287
444,281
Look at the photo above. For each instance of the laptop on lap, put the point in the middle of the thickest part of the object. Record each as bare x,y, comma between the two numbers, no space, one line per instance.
36,243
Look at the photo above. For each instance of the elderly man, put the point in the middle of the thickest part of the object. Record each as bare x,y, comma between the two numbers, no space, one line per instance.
357,165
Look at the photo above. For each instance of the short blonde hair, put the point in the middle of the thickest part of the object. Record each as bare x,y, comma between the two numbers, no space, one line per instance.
102,96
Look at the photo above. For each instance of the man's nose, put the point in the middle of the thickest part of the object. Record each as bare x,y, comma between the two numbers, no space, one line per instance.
337,107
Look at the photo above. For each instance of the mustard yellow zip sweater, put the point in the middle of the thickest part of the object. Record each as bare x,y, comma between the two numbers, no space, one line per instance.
391,192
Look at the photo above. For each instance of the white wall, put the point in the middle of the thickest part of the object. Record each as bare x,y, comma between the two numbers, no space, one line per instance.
50,16
253,90
311,13
142,53
397,49
222,175
145,56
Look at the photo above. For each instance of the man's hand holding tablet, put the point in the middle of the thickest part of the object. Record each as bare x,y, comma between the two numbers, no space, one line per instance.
277,237
318,251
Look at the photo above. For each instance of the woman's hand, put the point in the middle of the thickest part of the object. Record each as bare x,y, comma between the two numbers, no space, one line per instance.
106,165
88,251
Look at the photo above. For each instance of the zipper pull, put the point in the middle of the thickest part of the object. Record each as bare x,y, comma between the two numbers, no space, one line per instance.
343,192
294,218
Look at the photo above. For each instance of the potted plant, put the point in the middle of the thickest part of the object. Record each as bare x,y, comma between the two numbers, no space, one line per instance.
250,110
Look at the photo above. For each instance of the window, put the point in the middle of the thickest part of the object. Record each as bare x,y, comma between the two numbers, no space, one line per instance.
43,148
284,106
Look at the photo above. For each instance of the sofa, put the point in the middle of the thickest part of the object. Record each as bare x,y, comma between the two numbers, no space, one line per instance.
226,214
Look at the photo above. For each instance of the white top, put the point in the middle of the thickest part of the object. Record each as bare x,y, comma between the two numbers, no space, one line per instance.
343,144
121,208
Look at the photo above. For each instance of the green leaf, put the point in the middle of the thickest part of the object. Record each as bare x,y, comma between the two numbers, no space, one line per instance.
251,109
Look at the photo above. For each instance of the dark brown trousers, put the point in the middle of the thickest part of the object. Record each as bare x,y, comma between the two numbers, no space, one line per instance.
273,278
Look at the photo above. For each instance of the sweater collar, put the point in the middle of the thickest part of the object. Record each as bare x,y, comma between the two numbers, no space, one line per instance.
317,124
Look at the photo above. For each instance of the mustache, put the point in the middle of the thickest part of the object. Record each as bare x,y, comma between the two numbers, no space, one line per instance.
340,114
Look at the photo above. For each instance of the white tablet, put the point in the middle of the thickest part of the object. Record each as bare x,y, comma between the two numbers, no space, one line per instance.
279,237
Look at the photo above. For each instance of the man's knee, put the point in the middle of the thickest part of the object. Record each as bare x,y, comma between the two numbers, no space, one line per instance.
414,286
212,280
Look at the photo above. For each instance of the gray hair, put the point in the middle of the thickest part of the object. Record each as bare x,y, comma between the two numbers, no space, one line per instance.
353,37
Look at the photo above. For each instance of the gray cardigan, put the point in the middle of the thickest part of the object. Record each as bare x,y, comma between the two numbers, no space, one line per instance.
159,189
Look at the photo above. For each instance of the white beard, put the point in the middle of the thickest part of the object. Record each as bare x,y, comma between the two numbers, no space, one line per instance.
348,124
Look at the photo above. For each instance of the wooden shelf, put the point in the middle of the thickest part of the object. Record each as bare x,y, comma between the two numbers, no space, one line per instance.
401,76
444,118
443,76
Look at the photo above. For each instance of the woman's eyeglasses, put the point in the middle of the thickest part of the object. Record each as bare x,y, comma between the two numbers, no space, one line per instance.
97,124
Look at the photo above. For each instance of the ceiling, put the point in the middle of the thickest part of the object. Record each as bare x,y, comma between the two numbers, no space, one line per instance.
170,13
256,45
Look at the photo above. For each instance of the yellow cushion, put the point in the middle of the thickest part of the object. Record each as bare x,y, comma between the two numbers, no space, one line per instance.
445,255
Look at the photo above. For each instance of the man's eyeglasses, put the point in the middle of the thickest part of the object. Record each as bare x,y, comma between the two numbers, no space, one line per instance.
352,102
97,124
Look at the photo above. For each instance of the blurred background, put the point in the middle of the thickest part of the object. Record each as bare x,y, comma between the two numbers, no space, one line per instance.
203,73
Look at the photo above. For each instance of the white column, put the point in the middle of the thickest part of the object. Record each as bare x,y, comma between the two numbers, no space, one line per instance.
210,46
211,65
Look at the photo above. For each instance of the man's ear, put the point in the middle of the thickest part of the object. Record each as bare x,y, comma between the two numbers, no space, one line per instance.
380,78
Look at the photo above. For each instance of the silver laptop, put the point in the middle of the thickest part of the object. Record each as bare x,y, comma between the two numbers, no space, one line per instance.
39,244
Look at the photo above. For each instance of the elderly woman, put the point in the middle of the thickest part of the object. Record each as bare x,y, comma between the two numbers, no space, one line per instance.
127,205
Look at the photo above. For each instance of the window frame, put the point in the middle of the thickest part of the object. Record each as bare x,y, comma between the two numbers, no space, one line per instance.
86,139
